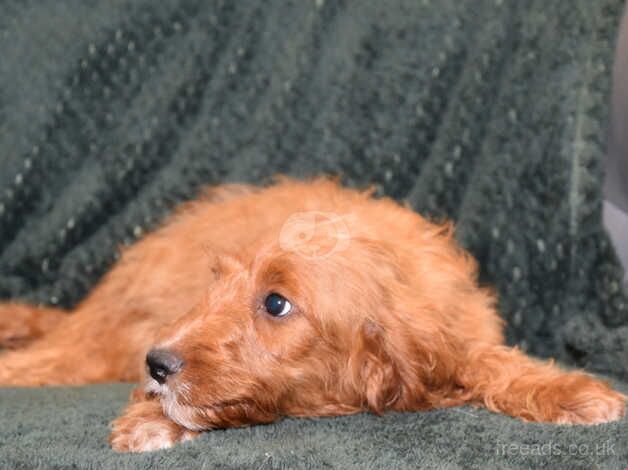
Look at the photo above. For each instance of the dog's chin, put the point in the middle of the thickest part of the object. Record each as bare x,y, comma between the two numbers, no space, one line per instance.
188,416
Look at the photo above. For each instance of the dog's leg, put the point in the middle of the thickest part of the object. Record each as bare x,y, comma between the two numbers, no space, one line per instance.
87,346
34,366
507,381
20,324
80,363
59,363
144,427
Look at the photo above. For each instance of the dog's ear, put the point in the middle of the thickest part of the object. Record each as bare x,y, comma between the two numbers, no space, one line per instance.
374,369
224,264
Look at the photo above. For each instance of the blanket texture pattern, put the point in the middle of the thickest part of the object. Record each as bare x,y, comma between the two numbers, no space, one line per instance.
489,112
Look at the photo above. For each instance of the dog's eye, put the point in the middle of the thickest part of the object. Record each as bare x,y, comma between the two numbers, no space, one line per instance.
277,305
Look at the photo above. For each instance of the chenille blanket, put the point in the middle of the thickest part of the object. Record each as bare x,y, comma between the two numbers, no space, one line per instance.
490,112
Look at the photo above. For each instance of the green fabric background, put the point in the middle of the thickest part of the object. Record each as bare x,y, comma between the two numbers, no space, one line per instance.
67,428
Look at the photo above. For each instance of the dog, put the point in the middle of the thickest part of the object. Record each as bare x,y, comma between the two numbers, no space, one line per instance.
301,299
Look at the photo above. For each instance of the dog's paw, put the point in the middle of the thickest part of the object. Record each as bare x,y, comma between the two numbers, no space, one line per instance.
143,428
590,402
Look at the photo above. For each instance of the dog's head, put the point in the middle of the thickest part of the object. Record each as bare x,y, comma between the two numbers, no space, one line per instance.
281,333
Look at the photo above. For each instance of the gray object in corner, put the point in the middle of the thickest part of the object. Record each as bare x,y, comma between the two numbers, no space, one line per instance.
616,165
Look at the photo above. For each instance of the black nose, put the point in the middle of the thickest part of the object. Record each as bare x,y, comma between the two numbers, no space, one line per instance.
163,363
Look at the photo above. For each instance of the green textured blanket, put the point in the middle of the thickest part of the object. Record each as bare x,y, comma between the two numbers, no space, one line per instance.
67,428
492,112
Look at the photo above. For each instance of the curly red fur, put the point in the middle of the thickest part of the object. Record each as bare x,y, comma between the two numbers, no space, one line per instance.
387,315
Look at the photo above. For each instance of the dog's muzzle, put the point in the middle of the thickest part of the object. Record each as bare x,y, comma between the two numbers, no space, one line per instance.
162,363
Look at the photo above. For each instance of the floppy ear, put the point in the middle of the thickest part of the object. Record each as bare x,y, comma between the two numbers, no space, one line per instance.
224,264
375,372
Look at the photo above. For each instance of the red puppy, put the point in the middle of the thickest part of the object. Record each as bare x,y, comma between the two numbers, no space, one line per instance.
302,299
